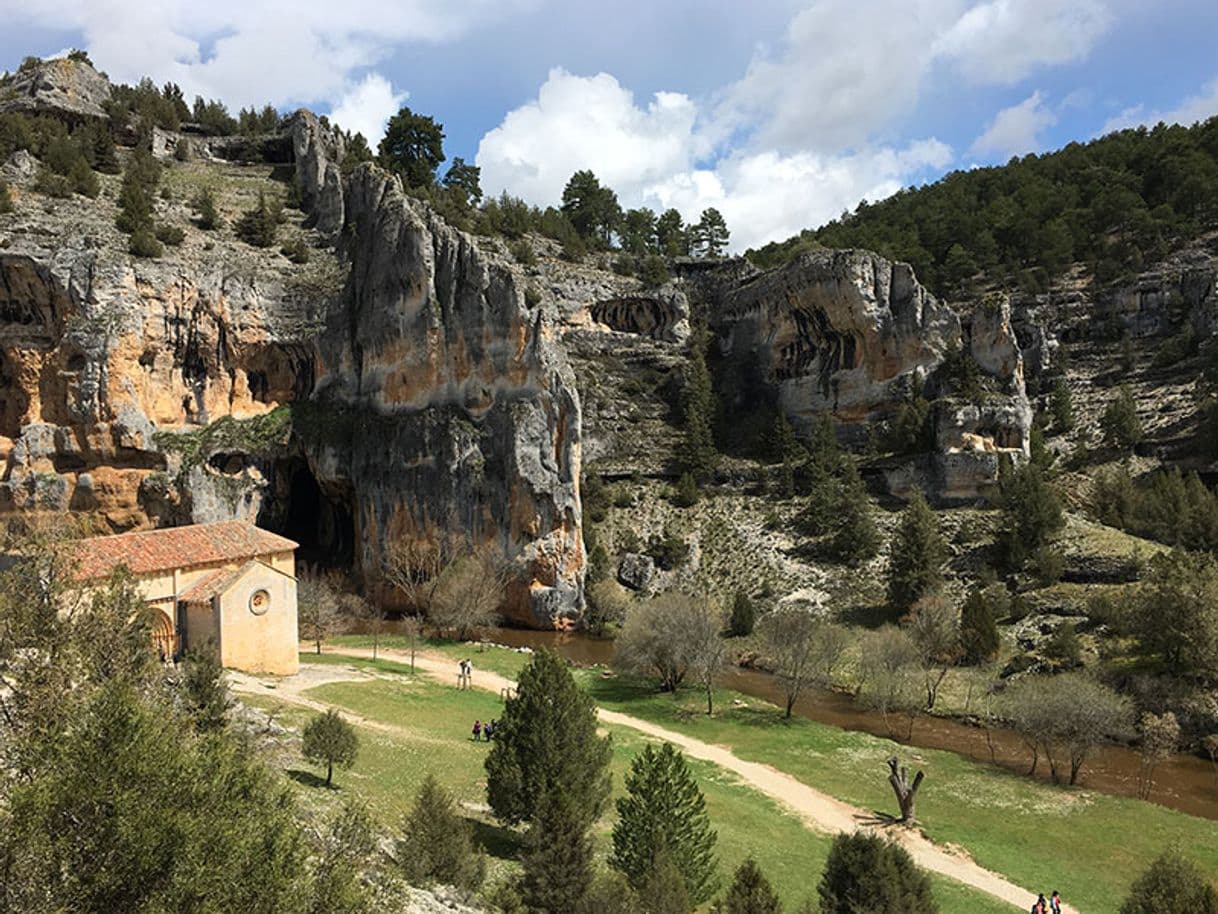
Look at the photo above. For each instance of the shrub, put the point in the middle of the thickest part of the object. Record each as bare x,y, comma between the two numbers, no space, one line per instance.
6,197
1049,565
623,265
144,244
52,184
532,296
209,215
1120,424
744,615
1064,647
437,845
868,873
750,893
182,151
329,740
296,250
260,225
669,550
522,252
978,623
172,235
1172,885
84,179
1061,406
686,494
654,271
135,198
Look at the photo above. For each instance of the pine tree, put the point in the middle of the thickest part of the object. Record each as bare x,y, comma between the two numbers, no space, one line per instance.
1031,513
260,225
711,234
750,893
855,537
209,214
558,858
205,692
868,873
413,146
698,455
916,555
686,495
978,629
663,889
1120,423
436,844
546,741
1061,406
136,196
663,808
744,615
1173,884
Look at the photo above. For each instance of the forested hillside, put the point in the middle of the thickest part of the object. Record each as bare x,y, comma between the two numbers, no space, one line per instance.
1116,204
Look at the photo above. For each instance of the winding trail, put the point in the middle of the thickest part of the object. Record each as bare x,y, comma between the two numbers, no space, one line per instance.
816,809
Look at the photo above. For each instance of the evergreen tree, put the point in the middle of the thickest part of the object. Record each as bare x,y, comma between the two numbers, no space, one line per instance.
744,615
437,845
260,225
978,629
664,888
1061,406
345,849
592,208
1120,423
546,741
711,234
916,555
868,873
205,692
1172,885
855,537
698,455
638,231
137,195
558,857
209,214
664,809
671,236
1030,513
413,146
329,740
750,893
687,494
464,179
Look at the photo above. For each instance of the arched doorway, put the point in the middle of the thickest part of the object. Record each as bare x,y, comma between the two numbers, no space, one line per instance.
164,639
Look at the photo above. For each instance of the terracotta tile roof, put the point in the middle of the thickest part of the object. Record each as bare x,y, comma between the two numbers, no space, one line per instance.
214,584
148,551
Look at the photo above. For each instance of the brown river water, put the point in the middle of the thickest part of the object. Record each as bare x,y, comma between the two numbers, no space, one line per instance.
1185,782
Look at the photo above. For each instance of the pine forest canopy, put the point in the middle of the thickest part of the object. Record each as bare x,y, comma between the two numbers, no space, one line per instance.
1116,203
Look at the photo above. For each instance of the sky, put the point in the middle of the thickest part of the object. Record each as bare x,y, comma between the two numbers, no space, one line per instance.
780,113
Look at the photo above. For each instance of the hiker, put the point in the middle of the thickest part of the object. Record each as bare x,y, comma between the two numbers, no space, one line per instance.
1041,906
478,735
489,730
1055,903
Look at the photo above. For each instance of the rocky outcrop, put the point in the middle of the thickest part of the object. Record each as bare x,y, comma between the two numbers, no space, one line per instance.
68,89
852,335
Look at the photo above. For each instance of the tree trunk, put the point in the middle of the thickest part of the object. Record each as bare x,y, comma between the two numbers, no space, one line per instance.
318,643
906,792
710,709
790,706
329,772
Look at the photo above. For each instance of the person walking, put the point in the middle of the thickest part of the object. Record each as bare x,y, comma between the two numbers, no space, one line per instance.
1041,906
477,730
489,730
1055,902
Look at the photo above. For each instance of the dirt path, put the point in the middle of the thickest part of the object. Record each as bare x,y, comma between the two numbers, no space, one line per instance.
815,809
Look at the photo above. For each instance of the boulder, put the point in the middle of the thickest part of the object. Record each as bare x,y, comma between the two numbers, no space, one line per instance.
69,89
636,571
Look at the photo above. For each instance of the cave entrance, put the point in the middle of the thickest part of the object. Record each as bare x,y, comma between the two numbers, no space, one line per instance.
320,518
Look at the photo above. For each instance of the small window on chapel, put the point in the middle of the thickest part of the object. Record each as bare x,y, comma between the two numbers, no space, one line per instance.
260,602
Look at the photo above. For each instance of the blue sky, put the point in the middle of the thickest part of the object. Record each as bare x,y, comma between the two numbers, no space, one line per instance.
780,113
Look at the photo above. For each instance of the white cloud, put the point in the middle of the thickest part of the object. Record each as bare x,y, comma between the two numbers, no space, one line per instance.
1003,41
768,196
845,69
366,106
650,156
588,122
1199,107
1016,130
250,52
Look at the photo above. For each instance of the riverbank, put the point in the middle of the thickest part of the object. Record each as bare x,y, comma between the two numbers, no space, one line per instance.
1184,783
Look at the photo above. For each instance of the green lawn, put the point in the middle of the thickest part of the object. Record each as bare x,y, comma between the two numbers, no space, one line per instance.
496,659
1089,845
435,721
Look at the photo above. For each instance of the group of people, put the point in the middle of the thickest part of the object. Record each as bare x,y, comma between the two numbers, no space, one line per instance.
485,729
1050,905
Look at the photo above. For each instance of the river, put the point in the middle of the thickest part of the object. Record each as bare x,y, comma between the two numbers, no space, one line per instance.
1185,782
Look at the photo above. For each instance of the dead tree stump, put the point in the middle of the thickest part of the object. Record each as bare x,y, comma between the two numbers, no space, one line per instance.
907,793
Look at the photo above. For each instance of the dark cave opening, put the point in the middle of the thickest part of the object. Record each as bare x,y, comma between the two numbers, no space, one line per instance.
320,518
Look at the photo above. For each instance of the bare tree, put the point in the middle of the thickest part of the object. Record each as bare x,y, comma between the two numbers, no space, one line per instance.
891,679
413,567
317,608
707,648
369,614
906,790
1065,717
803,648
469,592
935,628
1160,739
654,640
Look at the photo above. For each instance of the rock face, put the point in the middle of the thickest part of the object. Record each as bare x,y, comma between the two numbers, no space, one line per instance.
69,89
851,335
